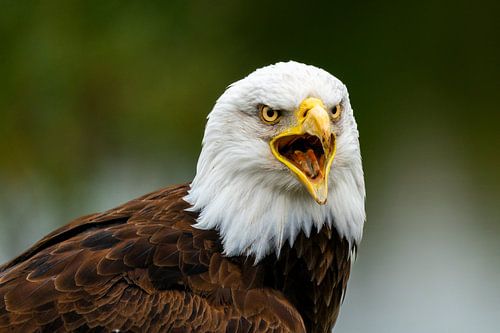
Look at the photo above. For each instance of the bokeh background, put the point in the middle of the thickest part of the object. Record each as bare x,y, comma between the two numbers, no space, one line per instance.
102,101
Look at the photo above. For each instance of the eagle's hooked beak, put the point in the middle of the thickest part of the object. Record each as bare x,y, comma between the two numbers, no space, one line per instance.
308,147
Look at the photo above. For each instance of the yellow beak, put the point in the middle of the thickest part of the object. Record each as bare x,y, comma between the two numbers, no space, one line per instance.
308,147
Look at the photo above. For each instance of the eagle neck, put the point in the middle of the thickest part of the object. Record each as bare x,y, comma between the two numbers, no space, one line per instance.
313,275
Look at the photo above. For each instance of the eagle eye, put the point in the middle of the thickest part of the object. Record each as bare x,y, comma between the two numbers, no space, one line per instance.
335,111
268,115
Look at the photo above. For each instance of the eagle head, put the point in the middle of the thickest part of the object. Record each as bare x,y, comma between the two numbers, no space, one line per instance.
280,156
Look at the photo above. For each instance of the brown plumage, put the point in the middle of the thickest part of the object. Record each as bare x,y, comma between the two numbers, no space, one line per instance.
142,267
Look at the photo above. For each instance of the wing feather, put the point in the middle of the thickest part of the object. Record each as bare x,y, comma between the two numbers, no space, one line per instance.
141,268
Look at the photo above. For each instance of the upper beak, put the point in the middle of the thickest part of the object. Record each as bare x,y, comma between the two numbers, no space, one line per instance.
308,147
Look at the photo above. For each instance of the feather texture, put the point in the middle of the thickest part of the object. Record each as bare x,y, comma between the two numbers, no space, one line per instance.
142,267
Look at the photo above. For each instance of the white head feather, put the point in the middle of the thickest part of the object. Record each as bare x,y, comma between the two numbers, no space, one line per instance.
244,192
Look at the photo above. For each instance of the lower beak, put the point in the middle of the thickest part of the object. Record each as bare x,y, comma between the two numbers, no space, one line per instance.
308,148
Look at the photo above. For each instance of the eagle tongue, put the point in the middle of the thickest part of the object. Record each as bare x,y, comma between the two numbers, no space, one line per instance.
307,162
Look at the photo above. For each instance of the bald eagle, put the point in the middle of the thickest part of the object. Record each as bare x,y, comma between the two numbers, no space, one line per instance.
260,241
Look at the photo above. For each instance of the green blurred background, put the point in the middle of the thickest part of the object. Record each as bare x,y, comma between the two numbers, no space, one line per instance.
102,101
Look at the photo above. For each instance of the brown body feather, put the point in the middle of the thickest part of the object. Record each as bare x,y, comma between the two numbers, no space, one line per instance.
142,267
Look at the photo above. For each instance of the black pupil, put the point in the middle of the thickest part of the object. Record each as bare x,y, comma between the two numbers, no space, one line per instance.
270,113
334,110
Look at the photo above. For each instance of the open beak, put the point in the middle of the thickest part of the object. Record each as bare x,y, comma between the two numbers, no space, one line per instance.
308,147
